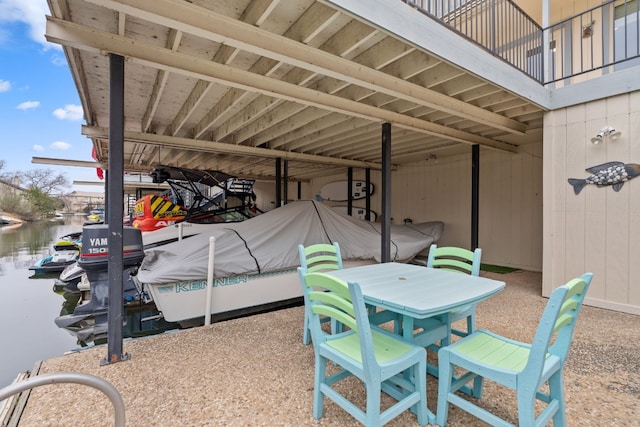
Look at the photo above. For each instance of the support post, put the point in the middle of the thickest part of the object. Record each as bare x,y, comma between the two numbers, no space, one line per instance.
115,194
386,193
546,70
475,194
349,191
367,183
278,182
106,197
285,184
210,270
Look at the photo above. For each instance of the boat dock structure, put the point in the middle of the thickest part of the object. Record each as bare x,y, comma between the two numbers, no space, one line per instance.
485,116
255,371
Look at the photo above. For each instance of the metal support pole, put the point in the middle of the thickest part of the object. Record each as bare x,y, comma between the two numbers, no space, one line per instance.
547,71
367,201
278,182
285,190
475,194
114,214
106,196
349,191
210,271
386,193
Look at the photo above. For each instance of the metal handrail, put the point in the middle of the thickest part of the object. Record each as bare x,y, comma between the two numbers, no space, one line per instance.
587,42
76,378
500,27
581,44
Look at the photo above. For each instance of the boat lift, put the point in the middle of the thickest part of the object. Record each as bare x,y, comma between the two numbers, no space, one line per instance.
209,195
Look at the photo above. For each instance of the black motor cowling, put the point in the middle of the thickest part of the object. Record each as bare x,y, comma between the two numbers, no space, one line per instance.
95,247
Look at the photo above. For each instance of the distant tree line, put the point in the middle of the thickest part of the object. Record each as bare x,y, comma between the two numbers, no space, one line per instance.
31,194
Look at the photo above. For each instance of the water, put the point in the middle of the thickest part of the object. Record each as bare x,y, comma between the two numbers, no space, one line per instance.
29,303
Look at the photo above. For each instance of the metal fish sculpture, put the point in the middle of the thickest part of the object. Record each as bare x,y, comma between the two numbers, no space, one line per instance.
611,173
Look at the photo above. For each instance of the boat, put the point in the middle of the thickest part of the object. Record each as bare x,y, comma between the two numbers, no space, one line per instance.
65,252
195,196
96,216
89,278
153,211
8,222
211,196
255,260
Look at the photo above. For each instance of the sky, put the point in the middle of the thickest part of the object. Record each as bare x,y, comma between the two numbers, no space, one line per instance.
40,111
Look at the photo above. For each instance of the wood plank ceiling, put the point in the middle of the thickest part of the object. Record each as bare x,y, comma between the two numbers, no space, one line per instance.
234,84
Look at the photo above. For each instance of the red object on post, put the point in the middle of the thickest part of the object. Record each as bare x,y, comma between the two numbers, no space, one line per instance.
99,171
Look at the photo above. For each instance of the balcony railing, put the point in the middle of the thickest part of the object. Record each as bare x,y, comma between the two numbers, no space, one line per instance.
600,40
498,26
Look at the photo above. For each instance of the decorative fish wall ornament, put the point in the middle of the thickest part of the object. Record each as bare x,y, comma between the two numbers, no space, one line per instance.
611,173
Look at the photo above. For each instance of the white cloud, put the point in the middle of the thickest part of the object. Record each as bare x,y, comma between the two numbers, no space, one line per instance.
60,145
28,105
32,13
5,86
69,112
37,147
59,60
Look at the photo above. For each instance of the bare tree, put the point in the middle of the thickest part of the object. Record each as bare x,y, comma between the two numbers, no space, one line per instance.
45,180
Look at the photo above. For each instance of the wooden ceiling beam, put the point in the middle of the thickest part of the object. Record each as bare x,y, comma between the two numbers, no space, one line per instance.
81,37
209,25
309,25
218,147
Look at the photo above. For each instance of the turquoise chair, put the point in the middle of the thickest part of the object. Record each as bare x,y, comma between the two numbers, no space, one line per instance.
380,359
458,260
325,257
317,258
525,368
462,261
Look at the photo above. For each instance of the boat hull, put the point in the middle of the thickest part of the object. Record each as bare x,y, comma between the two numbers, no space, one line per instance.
50,267
186,300
57,262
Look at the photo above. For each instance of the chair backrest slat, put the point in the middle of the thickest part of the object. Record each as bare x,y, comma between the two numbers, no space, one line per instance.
320,257
336,314
455,259
452,265
330,298
322,263
562,322
343,302
557,324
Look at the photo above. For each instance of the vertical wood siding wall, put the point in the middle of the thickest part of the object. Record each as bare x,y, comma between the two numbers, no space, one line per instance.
510,201
595,230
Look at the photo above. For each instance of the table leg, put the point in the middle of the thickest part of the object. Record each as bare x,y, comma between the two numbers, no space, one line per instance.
407,335
445,342
407,328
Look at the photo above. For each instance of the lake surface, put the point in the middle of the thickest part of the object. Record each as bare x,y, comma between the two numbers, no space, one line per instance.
29,304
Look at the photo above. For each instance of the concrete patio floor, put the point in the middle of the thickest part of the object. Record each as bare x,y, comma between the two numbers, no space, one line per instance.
255,371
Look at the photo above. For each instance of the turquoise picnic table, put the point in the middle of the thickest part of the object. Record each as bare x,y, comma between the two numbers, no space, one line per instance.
418,292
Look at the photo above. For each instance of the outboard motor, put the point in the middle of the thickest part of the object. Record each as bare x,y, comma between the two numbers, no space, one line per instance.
94,260
95,247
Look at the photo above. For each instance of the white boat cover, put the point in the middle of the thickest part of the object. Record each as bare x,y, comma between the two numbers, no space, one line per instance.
269,242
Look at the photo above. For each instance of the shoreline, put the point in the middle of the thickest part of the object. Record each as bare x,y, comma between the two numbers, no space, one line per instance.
10,219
